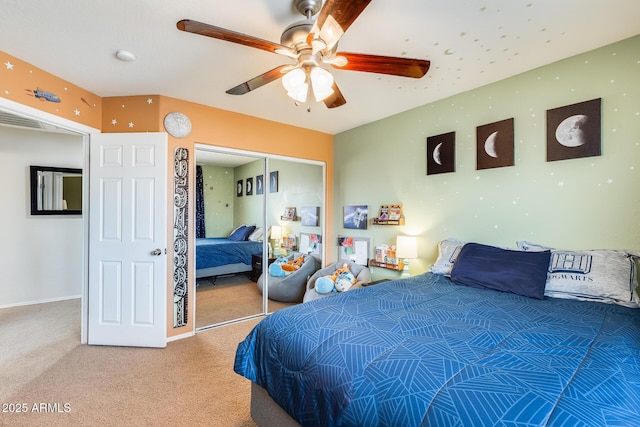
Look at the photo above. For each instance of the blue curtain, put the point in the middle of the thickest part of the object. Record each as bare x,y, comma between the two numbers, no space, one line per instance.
199,204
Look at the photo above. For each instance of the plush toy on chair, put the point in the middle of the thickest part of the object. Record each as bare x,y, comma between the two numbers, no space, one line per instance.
341,280
283,266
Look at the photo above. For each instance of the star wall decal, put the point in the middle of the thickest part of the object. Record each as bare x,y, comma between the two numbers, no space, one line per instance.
9,65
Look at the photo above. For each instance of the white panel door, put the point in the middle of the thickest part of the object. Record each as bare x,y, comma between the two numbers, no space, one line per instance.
128,239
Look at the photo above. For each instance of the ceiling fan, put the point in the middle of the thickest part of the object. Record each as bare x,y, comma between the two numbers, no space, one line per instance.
313,44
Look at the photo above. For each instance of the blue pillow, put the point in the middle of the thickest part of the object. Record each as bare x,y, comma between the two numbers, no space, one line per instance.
242,233
518,272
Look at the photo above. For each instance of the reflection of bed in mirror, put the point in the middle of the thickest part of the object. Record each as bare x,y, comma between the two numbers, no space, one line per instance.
222,256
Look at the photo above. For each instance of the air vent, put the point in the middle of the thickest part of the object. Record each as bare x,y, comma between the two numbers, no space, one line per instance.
9,119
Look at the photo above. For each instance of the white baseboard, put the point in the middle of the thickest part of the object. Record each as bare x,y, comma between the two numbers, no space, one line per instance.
19,304
181,336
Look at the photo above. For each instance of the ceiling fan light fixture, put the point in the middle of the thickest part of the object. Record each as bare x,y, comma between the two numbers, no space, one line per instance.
295,83
321,83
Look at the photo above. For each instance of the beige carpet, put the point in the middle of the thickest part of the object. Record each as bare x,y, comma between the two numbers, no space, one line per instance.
44,366
232,297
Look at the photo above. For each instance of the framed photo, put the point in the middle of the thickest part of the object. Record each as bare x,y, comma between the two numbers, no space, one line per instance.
249,186
289,213
494,145
310,215
239,188
355,217
273,182
260,184
574,131
441,153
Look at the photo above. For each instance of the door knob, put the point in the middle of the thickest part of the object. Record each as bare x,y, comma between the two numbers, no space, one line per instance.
157,252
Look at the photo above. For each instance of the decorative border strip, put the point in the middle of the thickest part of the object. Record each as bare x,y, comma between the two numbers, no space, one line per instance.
180,236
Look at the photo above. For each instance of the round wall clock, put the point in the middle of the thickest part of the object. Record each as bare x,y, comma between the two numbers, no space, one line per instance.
177,125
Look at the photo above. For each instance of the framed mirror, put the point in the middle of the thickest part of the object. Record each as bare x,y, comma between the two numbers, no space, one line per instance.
56,191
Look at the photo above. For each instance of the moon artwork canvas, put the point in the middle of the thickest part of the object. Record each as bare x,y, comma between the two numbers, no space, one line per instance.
273,182
573,131
239,188
441,153
259,184
494,145
249,184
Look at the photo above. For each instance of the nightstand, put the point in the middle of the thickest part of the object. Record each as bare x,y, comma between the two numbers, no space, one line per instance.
256,266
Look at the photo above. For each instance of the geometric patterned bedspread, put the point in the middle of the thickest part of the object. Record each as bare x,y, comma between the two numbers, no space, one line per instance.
424,351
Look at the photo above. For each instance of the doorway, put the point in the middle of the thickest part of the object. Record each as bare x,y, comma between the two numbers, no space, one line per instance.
52,246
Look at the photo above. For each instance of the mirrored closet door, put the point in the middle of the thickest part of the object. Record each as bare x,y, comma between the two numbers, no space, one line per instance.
295,216
250,211
230,230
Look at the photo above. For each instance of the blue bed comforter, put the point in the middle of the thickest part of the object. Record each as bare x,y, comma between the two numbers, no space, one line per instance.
427,352
214,252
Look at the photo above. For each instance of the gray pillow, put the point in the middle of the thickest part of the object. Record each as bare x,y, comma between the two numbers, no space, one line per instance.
602,275
448,251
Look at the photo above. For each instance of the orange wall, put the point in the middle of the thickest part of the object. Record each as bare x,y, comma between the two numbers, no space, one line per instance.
145,113
212,126
19,82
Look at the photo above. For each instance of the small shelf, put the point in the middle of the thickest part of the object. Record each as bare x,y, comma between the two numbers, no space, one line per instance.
295,218
376,221
396,267
389,215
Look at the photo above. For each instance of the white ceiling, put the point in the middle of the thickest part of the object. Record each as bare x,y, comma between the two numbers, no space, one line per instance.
470,43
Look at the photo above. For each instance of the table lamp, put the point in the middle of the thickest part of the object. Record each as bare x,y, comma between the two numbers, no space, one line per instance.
276,234
406,248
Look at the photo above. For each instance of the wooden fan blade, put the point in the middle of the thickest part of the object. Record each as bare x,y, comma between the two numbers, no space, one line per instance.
335,99
395,66
195,27
343,11
257,82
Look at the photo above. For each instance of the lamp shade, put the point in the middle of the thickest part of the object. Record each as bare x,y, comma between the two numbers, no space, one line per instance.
321,83
295,82
276,232
406,247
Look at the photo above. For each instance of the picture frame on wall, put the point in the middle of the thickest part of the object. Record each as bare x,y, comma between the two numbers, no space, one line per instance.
260,184
289,213
239,188
356,217
249,186
494,145
441,153
273,182
574,131
310,216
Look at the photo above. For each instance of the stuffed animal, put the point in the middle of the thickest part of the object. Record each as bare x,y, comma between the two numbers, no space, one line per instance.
282,266
341,280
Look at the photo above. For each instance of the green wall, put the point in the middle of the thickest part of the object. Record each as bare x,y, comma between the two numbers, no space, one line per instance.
249,209
582,203
300,184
